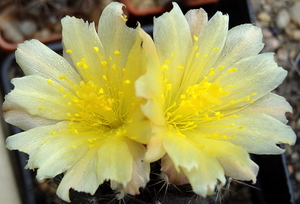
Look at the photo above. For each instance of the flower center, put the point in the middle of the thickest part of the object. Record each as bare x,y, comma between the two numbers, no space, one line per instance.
199,103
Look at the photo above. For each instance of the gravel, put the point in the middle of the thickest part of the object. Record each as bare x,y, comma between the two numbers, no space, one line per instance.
280,21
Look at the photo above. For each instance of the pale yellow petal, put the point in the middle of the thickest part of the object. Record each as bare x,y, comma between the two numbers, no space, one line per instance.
36,58
155,148
81,177
17,116
182,151
235,160
258,133
138,127
206,50
81,42
58,154
114,34
36,96
253,78
32,139
114,161
141,169
152,93
271,104
242,41
197,20
205,178
173,41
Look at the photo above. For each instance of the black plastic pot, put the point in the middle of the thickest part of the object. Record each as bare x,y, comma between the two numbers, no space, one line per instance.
273,178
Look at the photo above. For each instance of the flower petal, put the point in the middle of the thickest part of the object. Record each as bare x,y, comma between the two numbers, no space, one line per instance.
17,116
242,41
173,42
258,133
234,160
206,50
260,71
271,104
114,34
197,20
155,148
81,42
114,161
43,141
182,152
141,169
146,89
81,177
205,178
37,59
46,100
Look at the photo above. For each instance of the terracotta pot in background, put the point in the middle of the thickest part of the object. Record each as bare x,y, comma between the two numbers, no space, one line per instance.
160,8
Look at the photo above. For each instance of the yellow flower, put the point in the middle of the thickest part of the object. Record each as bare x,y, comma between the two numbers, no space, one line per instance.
80,111
208,94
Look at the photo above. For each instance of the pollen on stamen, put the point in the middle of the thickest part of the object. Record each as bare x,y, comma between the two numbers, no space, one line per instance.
117,52
211,72
180,67
232,70
196,47
69,51
164,67
127,81
172,54
62,77
124,17
41,108
216,49
49,81
69,103
69,114
123,70
103,63
167,61
205,56
195,38
104,77
169,87
74,146
53,132
197,54
96,49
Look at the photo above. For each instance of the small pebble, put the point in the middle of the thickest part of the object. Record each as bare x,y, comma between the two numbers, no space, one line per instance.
43,34
11,34
297,175
267,33
282,19
282,54
28,28
271,44
264,16
295,14
295,157
296,35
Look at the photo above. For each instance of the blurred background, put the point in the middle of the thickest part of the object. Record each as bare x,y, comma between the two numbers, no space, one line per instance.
279,177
